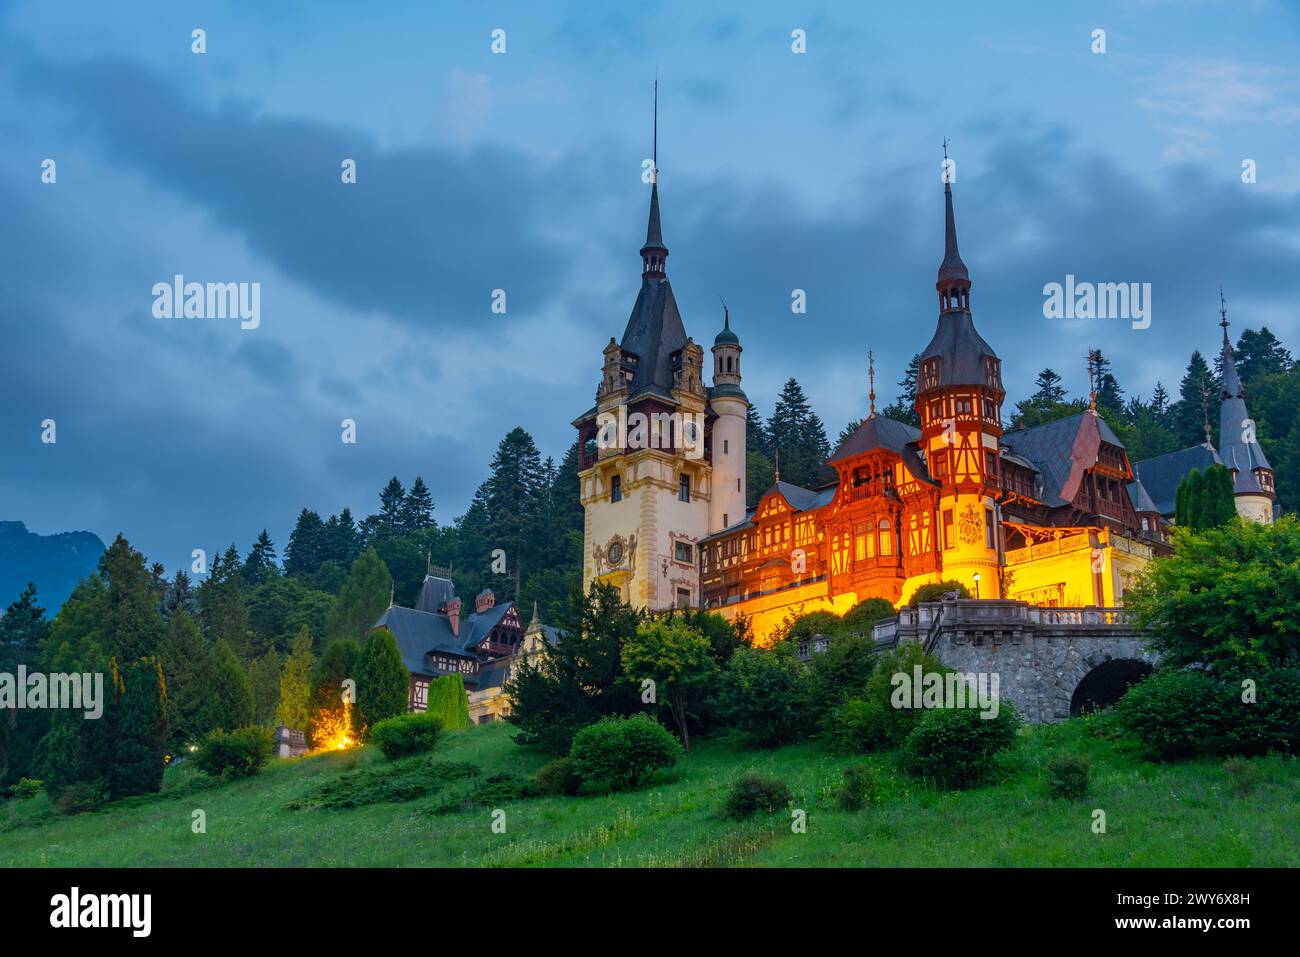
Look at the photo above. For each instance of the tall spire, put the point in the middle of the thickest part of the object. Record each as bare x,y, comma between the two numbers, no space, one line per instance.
654,253
954,280
1232,388
1205,415
1094,378
871,374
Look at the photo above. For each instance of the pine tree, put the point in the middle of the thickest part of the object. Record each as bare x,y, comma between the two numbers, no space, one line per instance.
362,599
345,540
130,625
141,733
847,431
797,433
1160,403
261,563
448,701
1259,354
306,548
392,500
757,441
383,683
294,708
227,700
180,596
264,685
514,496
1188,413
903,409
22,629
222,613
182,657
417,509
1048,389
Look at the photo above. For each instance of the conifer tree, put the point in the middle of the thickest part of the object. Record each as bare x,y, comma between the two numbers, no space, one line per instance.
337,664
182,654
383,683
392,500
798,435
294,708
264,686
222,613
417,509
306,549
130,626
227,701
514,497
141,732
1259,354
1189,412
260,563
179,596
362,599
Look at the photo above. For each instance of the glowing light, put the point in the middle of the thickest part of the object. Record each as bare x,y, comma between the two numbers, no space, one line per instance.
334,729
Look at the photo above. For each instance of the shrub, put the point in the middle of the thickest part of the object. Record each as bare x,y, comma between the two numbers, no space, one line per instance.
1068,776
406,734
491,792
866,613
1174,713
83,796
558,777
238,753
872,723
387,783
858,787
840,672
761,694
28,788
753,793
448,702
936,590
814,623
619,754
1244,776
955,747
1271,722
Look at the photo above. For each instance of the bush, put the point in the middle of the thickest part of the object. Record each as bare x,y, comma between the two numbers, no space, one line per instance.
491,792
1068,776
955,747
814,623
1244,776
936,590
619,754
27,788
238,753
558,777
1174,713
83,796
386,783
872,723
866,613
1271,722
406,734
840,672
858,788
762,695
753,793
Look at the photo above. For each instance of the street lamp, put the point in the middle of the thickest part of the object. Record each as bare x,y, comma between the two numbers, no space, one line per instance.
977,584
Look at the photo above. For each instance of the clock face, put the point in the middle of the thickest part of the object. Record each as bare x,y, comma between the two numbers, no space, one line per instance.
615,553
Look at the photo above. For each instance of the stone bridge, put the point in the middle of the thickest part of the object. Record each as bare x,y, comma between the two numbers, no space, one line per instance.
1051,662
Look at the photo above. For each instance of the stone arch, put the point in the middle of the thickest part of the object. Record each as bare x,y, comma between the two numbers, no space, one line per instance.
1078,664
1106,683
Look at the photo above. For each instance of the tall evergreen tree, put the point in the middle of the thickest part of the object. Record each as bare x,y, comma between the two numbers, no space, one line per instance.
362,600
222,613
515,500
417,509
264,686
903,409
1259,354
261,562
1047,388
798,435
227,700
140,736
1188,414
306,549
180,596
130,625
383,683
392,502
757,440
182,656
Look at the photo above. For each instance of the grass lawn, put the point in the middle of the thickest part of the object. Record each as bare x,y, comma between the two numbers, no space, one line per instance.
1156,815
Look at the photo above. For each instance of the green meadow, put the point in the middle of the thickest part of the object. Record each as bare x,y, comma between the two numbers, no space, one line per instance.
1191,814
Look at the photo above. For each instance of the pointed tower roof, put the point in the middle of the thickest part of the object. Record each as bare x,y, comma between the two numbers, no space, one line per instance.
1238,449
726,337
959,347
655,336
952,267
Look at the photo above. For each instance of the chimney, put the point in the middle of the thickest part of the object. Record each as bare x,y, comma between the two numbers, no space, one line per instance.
484,601
453,615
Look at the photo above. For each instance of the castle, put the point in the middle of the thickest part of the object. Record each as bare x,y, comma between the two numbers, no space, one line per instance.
1054,515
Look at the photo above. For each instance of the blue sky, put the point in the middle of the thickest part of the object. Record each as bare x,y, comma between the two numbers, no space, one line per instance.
521,171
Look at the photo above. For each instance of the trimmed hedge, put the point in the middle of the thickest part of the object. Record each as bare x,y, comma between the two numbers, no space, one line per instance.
406,734
447,700
620,754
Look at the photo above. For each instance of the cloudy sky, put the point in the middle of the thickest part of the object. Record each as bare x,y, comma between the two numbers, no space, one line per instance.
521,171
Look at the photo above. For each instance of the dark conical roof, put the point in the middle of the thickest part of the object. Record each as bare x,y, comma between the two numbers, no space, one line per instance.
1238,448
952,267
654,235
